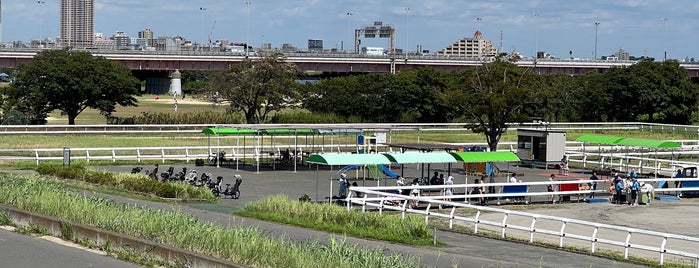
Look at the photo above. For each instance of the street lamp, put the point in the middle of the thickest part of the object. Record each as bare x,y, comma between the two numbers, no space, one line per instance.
536,39
349,31
596,25
41,22
664,20
247,35
407,12
201,36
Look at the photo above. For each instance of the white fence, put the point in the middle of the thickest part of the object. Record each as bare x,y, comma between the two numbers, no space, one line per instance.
569,232
196,128
187,153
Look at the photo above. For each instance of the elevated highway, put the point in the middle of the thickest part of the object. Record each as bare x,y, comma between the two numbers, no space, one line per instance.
324,62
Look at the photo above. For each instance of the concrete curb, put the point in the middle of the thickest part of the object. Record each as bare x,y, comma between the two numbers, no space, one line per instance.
100,237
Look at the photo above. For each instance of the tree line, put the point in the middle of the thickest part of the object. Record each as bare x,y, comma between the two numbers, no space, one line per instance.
489,95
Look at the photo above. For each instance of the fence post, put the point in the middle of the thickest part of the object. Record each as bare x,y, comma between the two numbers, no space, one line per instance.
87,155
562,234
594,239
504,225
662,250
36,155
626,246
532,229
427,213
475,224
402,213
434,236
113,155
451,218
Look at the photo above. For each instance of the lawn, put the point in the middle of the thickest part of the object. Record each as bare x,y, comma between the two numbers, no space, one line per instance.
146,103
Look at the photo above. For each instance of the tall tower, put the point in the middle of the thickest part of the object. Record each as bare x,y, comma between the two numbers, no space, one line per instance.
77,23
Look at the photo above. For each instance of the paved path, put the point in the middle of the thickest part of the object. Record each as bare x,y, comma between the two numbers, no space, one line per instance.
18,250
466,250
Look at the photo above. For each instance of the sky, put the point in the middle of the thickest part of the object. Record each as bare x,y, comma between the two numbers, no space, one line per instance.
641,27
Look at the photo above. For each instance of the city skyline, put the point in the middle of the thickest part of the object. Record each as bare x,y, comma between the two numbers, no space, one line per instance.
643,28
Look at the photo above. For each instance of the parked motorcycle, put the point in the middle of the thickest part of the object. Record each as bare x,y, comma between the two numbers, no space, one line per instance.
215,186
233,191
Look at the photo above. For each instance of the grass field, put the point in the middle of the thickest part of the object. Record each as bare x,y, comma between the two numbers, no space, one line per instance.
146,103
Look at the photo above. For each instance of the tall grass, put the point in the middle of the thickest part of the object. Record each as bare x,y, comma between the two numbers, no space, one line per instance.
247,246
327,217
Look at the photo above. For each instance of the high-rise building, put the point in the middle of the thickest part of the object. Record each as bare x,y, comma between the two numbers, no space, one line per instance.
315,45
77,23
147,35
475,47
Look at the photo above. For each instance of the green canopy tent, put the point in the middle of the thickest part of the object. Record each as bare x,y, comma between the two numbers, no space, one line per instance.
609,140
635,142
219,131
420,158
478,157
475,157
344,160
647,143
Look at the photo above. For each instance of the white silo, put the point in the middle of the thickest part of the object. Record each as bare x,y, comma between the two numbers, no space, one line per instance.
175,83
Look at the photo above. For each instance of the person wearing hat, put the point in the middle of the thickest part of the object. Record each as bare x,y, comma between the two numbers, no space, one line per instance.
634,191
449,190
343,186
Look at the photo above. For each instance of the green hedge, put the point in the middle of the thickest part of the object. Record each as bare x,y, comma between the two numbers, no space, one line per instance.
139,183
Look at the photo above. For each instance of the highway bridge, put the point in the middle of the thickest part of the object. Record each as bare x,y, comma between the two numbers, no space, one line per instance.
324,62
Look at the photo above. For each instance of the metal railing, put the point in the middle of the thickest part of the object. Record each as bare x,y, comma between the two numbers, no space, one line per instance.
568,232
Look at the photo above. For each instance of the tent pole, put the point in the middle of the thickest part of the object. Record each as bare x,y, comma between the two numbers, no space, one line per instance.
317,182
218,145
296,146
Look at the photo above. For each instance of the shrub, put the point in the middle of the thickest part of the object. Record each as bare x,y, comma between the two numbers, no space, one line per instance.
139,183
328,217
247,246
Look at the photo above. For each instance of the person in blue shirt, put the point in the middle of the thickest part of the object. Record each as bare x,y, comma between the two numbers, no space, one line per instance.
342,193
619,186
633,174
635,186
678,184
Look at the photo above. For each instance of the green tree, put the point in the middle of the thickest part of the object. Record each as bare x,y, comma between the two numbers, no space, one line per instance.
257,87
492,95
664,91
70,81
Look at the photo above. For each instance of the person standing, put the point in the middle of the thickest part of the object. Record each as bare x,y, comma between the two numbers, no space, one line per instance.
592,185
633,174
549,187
449,189
618,187
679,175
481,190
342,193
400,183
635,186
435,178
